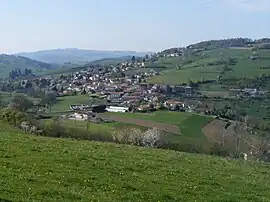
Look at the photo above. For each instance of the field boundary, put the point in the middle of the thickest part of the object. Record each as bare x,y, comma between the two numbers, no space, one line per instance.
146,123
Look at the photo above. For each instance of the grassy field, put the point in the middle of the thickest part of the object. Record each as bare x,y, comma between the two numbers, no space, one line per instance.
190,124
199,68
46,169
6,96
63,103
224,94
254,108
102,128
186,75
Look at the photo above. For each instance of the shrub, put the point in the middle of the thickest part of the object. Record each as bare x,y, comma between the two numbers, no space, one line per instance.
12,116
152,138
134,136
218,150
128,136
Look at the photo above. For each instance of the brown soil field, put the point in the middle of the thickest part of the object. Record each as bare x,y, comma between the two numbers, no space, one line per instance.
213,129
151,124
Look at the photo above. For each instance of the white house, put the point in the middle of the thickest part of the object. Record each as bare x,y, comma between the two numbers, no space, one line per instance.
117,109
77,116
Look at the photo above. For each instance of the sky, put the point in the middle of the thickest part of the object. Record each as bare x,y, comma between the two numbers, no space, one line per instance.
138,25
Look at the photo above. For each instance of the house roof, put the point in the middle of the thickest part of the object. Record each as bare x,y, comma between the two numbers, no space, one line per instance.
173,102
137,93
115,93
142,107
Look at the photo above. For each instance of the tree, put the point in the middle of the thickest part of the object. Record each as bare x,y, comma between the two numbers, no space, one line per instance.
83,92
261,149
21,103
62,76
146,57
238,130
54,128
133,59
152,137
1,101
48,99
13,117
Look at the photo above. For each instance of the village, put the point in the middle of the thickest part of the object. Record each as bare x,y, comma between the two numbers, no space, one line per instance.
119,88
127,86
122,88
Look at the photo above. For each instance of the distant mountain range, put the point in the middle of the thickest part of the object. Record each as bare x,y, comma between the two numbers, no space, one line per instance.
62,56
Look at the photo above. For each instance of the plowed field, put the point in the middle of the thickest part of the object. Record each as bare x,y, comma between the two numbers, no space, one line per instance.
146,123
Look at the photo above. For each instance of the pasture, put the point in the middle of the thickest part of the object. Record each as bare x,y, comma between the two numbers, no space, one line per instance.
64,102
48,169
201,67
190,124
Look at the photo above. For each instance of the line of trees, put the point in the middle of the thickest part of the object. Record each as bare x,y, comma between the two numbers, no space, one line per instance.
17,73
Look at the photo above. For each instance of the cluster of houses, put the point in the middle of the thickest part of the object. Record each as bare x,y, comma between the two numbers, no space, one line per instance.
246,92
85,116
118,86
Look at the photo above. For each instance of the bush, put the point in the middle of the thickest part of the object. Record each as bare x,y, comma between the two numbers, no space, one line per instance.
21,103
186,146
12,116
55,129
218,150
128,136
150,138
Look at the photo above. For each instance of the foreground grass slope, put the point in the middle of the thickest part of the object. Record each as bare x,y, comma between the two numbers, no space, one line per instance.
45,169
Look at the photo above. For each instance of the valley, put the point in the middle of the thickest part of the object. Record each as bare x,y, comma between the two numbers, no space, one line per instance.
200,107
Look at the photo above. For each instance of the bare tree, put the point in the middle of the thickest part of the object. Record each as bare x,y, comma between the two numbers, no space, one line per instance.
150,138
262,150
220,140
238,137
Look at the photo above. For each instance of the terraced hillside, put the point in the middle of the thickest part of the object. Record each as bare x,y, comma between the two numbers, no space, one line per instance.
45,169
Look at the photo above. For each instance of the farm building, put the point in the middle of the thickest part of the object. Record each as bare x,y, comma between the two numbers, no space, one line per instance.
77,116
170,103
79,107
117,109
98,108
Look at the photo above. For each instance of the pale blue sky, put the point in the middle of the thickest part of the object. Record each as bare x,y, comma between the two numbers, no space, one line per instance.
141,25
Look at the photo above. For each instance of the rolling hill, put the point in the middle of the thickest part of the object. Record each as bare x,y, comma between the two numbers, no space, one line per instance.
11,62
61,56
209,65
46,169
70,67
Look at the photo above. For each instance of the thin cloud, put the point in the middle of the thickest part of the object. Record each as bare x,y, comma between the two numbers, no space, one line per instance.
249,5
